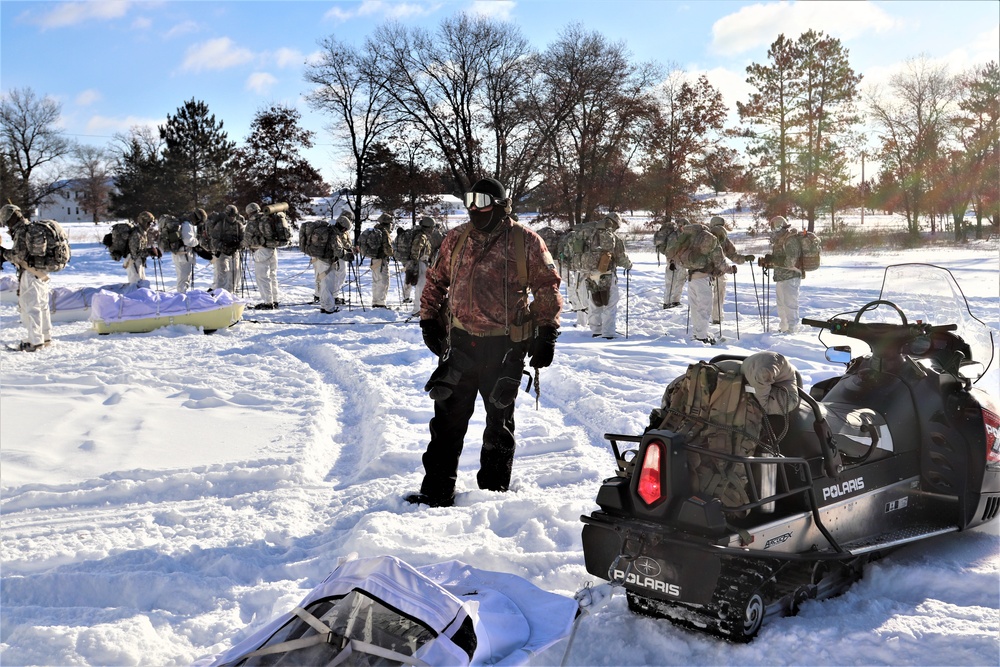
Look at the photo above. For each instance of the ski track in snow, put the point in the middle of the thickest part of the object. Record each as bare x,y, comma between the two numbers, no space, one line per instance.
211,481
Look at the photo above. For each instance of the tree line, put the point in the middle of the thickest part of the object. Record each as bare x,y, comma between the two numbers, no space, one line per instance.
574,130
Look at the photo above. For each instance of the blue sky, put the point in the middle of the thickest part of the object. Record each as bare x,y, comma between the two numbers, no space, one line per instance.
113,64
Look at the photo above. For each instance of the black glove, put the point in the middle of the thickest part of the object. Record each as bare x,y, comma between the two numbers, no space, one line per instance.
748,258
157,252
543,346
732,269
673,267
434,335
201,252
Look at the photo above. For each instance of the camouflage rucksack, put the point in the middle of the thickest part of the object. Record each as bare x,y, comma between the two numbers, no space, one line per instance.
810,246
370,243
47,246
117,240
664,237
710,406
693,247
599,249
170,234
227,234
401,244
276,230
321,240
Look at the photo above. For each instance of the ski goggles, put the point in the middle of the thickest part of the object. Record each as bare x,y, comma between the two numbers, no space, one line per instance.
479,200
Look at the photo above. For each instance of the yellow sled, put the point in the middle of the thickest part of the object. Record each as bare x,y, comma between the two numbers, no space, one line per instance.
209,320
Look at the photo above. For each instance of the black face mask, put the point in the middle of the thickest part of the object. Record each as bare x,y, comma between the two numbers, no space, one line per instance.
487,221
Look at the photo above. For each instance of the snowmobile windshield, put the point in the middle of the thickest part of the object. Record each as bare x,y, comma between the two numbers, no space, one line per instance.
931,294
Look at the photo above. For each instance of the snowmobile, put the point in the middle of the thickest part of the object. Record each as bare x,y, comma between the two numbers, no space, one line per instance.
899,448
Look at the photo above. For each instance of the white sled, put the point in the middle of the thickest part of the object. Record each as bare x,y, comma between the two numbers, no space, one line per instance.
385,611
145,310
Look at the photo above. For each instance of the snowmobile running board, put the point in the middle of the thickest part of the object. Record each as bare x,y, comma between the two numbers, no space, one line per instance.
897,538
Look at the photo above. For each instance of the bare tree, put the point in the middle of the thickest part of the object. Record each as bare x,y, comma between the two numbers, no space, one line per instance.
913,118
351,87
606,101
92,174
462,86
31,142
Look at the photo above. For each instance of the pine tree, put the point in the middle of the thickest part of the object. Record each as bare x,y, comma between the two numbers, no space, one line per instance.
197,158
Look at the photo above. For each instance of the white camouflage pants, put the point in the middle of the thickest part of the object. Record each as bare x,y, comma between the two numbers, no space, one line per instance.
700,303
581,298
184,264
786,294
228,272
602,319
33,302
419,291
380,281
326,278
134,271
719,298
673,285
265,263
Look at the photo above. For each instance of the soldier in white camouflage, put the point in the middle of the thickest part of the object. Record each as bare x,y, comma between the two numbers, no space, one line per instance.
718,226
605,254
32,282
783,261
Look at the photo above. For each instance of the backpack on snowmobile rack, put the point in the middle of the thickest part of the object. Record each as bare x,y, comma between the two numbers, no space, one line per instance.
401,244
47,246
715,406
693,246
117,240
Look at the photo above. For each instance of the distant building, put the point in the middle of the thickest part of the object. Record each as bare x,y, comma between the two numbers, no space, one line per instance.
64,204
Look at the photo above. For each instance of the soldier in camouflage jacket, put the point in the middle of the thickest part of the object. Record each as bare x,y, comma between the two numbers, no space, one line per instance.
476,315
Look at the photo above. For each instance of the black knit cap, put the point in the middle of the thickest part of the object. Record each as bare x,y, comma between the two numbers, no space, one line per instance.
491,186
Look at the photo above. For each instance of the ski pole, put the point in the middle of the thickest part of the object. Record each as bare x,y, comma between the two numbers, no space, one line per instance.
756,295
627,281
736,303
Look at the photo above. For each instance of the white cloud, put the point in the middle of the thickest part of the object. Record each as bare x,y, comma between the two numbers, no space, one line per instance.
499,9
87,97
260,82
142,23
181,28
392,10
285,57
215,54
759,25
107,125
71,13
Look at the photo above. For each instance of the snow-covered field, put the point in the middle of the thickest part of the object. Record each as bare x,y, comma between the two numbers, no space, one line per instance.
165,494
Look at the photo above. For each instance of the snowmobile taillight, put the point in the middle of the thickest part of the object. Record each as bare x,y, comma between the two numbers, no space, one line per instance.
991,422
650,484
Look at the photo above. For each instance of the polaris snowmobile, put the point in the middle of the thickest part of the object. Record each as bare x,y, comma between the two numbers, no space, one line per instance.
900,448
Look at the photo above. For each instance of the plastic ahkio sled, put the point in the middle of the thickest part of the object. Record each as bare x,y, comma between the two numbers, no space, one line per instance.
145,310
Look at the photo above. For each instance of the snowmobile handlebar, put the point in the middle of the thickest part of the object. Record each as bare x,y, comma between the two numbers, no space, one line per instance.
887,339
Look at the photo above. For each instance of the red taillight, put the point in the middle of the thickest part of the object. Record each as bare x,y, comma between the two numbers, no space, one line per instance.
991,422
650,488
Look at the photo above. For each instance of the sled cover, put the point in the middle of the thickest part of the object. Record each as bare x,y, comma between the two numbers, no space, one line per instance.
383,611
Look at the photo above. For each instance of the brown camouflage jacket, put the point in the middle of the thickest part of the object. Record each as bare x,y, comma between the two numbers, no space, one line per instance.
484,293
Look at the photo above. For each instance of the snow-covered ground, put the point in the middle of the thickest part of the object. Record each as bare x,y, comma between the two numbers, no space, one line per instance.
165,494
